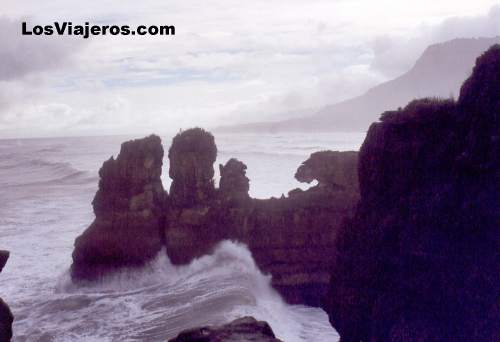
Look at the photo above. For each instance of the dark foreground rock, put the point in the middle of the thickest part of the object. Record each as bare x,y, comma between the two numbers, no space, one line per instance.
246,329
4,256
6,317
419,261
6,320
290,238
129,210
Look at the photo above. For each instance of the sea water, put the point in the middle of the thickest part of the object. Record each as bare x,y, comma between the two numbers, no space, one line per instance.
47,186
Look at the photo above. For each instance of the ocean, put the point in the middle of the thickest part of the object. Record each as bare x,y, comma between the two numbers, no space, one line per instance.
47,186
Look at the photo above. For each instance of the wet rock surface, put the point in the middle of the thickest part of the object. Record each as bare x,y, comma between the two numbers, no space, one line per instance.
290,238
129,208
246,329
419,261
6,317
234,184
6,320
192,156
4,256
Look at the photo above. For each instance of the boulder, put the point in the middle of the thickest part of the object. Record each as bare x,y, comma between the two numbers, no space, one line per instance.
246,329
129,208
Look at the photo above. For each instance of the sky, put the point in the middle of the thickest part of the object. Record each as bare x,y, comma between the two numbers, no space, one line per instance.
231,61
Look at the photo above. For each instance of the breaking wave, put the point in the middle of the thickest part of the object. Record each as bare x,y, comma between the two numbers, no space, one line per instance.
47,190
158,301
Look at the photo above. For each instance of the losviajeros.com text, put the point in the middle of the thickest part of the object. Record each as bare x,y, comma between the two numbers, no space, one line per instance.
87,30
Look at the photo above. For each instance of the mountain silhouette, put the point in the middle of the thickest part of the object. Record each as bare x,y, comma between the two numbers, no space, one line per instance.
438,72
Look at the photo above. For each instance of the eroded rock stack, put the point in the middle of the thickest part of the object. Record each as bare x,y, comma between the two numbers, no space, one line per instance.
6,317
234,184
246,329
129,208
192,157
419,261
290,238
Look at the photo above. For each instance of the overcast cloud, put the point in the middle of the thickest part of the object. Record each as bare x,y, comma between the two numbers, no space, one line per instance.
231,61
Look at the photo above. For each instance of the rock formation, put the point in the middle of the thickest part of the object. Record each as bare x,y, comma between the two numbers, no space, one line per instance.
4,256
419,261
6,317
439,71
192,157
290,238
331,169
234,184
246,329
129,210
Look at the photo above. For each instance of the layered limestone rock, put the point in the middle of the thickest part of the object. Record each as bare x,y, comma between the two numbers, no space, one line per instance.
6,317
129,208
331,169
234,184
290,238
246,329
419,261
192,156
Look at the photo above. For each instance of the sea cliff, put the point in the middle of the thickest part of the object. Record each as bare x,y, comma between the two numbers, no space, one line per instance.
419,260
290,238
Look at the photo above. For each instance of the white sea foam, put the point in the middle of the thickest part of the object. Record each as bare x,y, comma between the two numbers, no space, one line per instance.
159,300
43,208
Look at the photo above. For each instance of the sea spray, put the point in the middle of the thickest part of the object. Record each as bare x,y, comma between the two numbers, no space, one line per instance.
159,300
40,221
